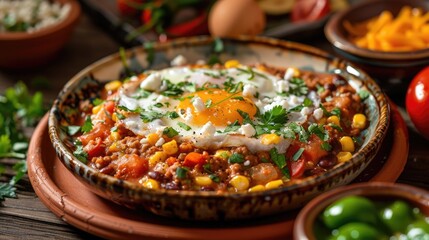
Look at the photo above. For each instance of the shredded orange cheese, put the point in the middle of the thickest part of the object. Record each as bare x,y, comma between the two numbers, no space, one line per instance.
407,32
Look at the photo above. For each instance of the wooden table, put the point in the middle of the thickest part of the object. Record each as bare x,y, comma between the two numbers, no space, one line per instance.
27,218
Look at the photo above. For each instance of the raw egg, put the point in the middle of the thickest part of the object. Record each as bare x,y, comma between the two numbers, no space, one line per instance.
230,18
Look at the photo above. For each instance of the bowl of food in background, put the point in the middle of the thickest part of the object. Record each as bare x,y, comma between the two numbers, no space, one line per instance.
32,32
374,210
387,39
208,129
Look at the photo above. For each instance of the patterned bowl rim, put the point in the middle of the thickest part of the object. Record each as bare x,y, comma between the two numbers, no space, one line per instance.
118,185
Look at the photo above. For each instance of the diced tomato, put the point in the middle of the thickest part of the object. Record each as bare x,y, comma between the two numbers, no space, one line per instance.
309,10
193,159
99,131
297,168
313,149
109,106
131,166
95,148
145,16
171,160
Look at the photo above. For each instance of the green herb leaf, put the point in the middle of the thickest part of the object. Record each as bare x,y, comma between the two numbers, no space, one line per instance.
80,154
7,191
326,146
319,131
277,115
87,125
297,87
184,126
149,116
298,154
280,161
97,101
170,132
214,178
207,167
172,115
72,130
363,94
232,127
181,172
236,158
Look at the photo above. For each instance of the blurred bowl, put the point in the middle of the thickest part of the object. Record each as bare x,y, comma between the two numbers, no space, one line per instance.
29,50
416,197
378,64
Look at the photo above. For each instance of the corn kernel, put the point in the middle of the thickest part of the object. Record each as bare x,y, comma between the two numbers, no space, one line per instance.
322,121
344,156
114,117
257,188
347,144
334,120
359,121
296,72
115,136
240,183
224,154
170,147
271,138
151,184
232,63
203,181
152,138
262,68
274,184
114,147
156,158
112,86
96,109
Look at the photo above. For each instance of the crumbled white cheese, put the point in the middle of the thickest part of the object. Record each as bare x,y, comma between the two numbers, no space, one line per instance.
282,86
198,104
247,130
289,74
246,163
152,82
162,99
179,60
249,90
305,111
318,113
160,142
208,129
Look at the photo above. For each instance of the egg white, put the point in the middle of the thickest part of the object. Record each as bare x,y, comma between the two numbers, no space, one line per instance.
262,89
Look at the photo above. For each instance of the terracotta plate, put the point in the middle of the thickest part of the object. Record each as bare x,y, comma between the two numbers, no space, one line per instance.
69,199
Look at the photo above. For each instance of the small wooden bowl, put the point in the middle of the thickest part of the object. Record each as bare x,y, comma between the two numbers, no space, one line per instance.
29,50
303,226
378,64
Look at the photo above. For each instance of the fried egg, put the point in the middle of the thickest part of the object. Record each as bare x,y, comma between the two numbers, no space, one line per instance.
215,108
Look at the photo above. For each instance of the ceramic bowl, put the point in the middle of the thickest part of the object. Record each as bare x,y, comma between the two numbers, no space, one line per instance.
29,50
380,65
303,226
209,205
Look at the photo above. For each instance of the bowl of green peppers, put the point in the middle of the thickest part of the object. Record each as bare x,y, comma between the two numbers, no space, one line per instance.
367,211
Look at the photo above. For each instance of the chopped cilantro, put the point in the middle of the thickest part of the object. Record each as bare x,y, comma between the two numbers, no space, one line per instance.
79,153
335,112
335,126
87,125
297,87
232,127
236,158
239,98
140,93
319,131
298,154
207,167
114,129
363,94
214,178
97,101
326,146
280,161
149,116
120,116
181,172
298,129
158,105
170,132
208,103
277,115
184,126
172,115
172,89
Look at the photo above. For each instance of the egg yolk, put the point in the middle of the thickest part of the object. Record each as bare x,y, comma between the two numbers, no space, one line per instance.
220,107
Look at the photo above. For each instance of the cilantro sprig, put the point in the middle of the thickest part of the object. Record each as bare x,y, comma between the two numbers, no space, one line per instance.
18,109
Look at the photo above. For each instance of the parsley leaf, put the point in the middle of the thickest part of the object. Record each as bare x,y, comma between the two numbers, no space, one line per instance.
170,132
319,131
214,178
297,87
277,115
172,115
326,146
79,153
232,127
181,172
149,116
280,161
236,158
87,125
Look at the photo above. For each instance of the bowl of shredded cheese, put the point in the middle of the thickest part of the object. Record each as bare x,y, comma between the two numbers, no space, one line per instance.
388,39
32,32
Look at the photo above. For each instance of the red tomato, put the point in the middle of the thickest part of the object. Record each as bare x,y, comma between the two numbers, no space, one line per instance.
109,106
95,148
417,101
131,166
194,158
309,10
126,7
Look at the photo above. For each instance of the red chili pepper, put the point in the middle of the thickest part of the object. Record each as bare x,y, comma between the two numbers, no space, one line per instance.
196,26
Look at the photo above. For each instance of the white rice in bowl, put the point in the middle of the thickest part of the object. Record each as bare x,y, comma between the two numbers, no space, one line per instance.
30,15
